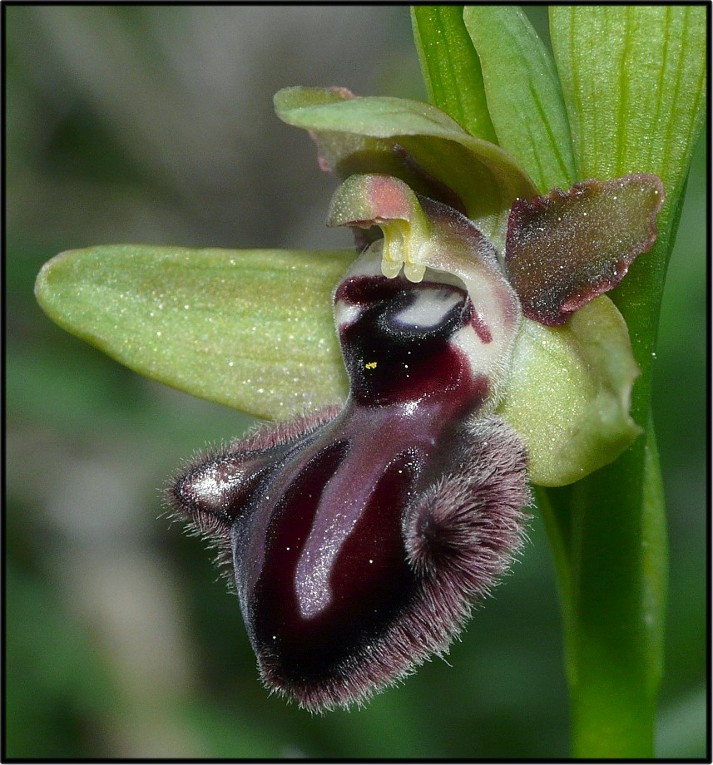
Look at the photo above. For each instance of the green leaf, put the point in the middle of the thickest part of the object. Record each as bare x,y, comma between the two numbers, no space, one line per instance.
251,329
451,68
633,79
484,177
523,93
568,395
640,109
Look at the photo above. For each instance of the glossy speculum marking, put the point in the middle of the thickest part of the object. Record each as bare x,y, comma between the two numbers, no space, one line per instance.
361,537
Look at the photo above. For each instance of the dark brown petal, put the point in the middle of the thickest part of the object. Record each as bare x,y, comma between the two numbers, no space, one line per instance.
418,560
360,538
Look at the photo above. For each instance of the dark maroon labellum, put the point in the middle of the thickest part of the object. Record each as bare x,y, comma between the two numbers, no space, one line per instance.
360,538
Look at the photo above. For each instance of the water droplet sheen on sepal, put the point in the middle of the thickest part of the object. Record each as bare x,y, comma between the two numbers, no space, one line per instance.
361,540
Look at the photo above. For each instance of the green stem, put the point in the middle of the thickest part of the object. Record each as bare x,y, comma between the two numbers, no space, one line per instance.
608,535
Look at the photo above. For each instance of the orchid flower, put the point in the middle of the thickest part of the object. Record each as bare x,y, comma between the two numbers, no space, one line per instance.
472,355
360,537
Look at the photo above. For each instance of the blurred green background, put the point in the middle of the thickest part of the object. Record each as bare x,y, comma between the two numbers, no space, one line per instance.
155,125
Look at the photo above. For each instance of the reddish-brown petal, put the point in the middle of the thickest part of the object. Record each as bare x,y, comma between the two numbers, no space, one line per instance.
566,248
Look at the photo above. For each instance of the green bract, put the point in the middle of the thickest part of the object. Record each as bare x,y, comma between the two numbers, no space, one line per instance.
523,93
451,67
